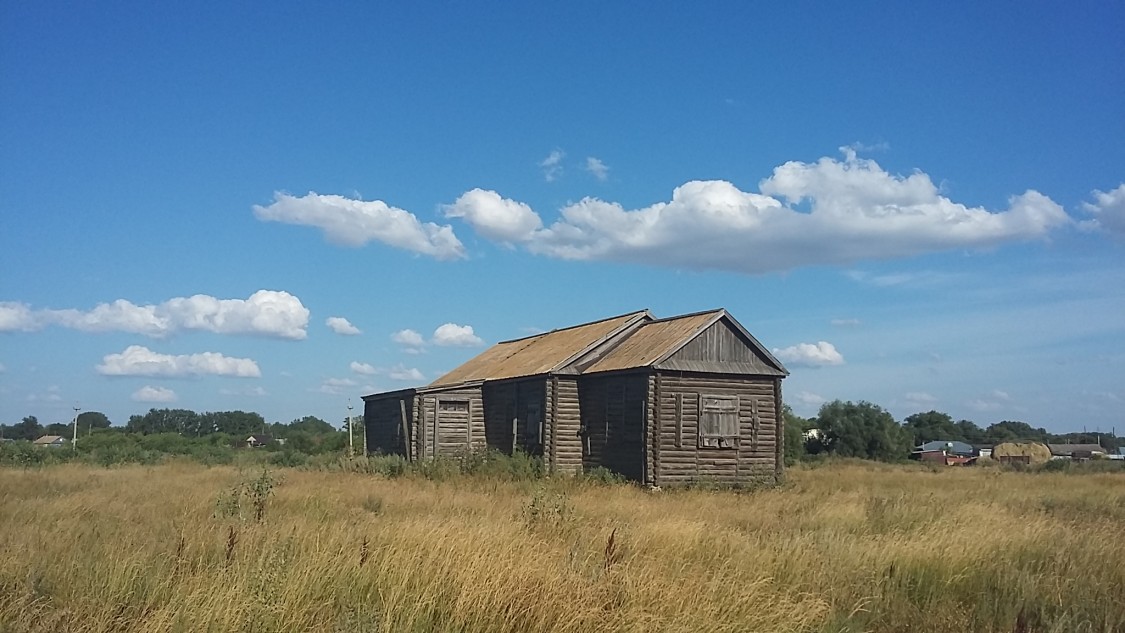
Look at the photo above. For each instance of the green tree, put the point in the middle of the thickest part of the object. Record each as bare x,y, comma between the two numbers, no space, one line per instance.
28,429
971,433
930,426
90,420
861,429
795,427
311,425
1014,430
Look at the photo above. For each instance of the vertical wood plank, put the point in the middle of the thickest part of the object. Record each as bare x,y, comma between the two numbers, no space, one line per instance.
679,420
405,430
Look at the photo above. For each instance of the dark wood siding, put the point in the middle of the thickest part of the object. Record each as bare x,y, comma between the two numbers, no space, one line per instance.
567,423
682,460
515,415
382,424
450,422
613,422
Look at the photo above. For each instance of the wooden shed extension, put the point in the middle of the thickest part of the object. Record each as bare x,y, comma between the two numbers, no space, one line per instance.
509,385
661,401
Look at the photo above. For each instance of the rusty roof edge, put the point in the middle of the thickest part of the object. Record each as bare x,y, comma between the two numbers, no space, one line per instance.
638,317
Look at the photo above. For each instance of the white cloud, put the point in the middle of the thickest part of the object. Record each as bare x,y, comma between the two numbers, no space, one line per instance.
820,354
810,399
362,369
342,326
337,386
18,317
53,394
857,211
411,341
495,218
406,373
141,361
154,394
352,222
920,398
845,322
552,165
597,168
1109,210
453,335
995,400
270,313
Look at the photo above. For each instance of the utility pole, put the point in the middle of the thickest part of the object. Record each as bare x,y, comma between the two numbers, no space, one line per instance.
74,440
351,445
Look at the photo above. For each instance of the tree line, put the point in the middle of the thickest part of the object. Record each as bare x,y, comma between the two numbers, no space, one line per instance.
309,434
866,430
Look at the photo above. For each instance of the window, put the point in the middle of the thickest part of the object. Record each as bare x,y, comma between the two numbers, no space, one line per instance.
718,421
461,406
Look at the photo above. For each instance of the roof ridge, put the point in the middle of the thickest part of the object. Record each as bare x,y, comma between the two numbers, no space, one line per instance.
573,327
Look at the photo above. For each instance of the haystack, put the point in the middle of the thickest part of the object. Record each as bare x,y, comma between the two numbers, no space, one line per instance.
1035,452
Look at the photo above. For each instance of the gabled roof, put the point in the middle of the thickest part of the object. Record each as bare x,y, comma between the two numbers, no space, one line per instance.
50,439
655,342
539,354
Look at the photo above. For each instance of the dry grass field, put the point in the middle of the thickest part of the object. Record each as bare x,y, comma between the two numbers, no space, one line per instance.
843,547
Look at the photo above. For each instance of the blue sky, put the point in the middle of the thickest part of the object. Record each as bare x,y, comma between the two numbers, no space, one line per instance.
921,206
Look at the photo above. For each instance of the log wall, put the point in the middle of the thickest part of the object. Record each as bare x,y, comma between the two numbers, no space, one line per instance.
677,456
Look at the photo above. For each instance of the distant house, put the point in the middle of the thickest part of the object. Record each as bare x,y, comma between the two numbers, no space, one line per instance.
983,450
54,441
260,439
1077,452
659,401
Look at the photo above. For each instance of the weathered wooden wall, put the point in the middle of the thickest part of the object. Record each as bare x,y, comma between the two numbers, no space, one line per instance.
449,422
613,422
522,403
566,423
382,424
677,457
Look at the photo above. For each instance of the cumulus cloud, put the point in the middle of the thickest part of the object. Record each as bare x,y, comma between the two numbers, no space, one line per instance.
1108,209
411,341
18,317
399,372
270,313
810,399
153,394
855,211
552,165
495,218
141,361
597,168
818,354
453,335
353,222
362,369
342,326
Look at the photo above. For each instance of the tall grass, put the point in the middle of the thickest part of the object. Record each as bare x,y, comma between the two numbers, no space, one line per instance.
842,547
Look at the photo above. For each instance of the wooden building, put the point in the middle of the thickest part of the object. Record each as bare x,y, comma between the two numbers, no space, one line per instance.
669,401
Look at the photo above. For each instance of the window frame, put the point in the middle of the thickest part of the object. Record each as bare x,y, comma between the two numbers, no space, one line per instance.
717,434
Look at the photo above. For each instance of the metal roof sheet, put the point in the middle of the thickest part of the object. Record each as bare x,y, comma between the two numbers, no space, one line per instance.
539,354
652,341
